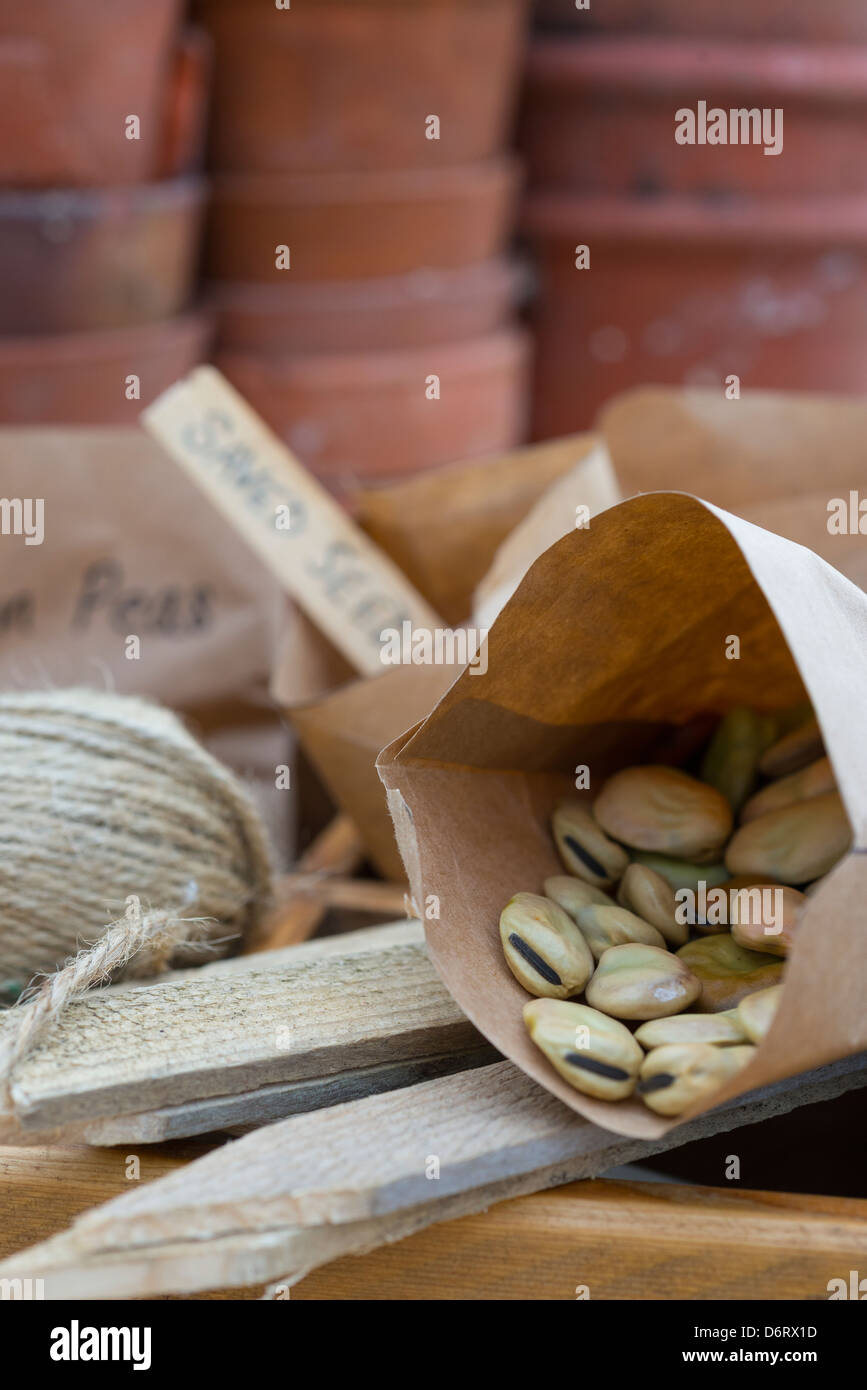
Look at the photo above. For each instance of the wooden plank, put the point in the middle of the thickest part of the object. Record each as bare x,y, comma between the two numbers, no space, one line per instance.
349,1004
294,1195
388,900
250,1109
42,1189
617,1240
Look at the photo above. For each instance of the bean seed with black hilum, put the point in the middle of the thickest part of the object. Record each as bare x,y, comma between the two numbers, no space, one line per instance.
544,948
677,1075
591,1051
584,847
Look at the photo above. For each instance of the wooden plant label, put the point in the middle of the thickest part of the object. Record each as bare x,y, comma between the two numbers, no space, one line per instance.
344,583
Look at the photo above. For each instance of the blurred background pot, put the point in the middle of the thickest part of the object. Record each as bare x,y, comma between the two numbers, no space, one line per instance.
186,105
773,292
359,417
394,311
71,72
101,258
81,378
812,20
348,226
599,116
332,85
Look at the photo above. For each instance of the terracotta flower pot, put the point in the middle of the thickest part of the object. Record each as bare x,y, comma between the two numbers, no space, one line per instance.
186,105
600,114
397,311
78,259
821,21
71,71
365,416
80,378
349,85
774,293
350,226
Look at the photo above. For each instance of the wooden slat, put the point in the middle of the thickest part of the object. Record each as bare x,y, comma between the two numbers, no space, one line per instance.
346,1005
619,1241
338,849
386,900
250,1109
294,1195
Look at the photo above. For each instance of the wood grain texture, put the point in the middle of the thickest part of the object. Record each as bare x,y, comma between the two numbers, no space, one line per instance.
251,1109
338,1006
43,1189
289,1198
620,1241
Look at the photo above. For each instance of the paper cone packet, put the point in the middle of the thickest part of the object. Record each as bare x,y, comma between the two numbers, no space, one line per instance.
617,637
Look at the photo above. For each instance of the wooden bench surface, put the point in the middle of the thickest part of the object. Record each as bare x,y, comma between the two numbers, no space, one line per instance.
619,1240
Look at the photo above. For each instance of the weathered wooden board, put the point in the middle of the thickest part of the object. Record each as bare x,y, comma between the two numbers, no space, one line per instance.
294,1195
616,1240
250,1109
275,1032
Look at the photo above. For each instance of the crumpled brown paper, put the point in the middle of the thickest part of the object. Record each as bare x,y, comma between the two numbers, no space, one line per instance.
774,457
343,730
444,527
131,549
617,634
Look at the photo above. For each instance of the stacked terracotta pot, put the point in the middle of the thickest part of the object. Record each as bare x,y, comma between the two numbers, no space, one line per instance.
706,261
101,123
357,264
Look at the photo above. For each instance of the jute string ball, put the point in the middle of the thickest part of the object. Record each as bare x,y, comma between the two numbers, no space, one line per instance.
109,809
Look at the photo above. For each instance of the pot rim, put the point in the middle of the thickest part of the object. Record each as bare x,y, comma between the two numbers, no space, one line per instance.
202,7
502,348
824,222
426,286
472,180
655,65
31,350
95,204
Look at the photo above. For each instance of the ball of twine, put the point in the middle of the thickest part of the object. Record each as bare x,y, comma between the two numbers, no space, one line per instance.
106,797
